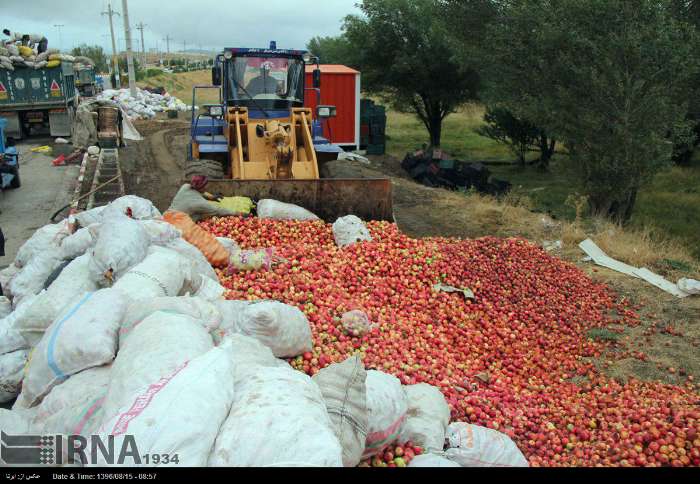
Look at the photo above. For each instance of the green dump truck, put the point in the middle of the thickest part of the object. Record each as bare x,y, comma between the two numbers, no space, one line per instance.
85,80
36,100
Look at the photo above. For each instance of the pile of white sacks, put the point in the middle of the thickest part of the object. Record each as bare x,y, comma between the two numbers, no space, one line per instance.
145,105
133,340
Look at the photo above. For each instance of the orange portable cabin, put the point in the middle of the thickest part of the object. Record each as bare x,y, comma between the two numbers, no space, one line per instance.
340,87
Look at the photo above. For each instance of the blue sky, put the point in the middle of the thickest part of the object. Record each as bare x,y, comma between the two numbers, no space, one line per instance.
211,24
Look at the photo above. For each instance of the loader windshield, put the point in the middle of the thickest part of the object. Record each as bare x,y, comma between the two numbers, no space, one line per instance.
272,82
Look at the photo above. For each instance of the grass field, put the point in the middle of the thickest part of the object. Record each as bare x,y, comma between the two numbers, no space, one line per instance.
669,206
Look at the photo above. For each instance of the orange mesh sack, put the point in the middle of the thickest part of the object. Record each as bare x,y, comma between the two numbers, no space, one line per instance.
212,249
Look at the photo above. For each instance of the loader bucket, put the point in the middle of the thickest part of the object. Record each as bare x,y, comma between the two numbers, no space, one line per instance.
329,198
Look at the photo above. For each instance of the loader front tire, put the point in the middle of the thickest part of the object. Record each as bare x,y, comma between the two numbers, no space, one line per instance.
212,169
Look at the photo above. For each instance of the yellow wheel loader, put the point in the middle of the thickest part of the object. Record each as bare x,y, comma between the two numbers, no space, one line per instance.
259,140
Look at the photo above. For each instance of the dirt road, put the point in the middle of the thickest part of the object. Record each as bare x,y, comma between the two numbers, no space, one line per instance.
45,188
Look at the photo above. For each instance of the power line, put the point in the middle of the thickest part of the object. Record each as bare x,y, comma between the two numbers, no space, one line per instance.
60,41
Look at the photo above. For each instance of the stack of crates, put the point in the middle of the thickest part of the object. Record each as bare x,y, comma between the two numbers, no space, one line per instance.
372,127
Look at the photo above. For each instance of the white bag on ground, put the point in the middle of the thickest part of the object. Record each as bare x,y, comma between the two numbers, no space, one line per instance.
135,207
154,349
431,460
160,232
386,408
249,355
475,446
690,286
121,244
5,307
31,278
344,393
179,413
75,406
278,418
84,335
6,276
162,273
427,417
89,217
204,312
11,373
281,327
10,337
201,264
349,230
78,243
16,422
275,210
71,284
209,289
229,244
46,239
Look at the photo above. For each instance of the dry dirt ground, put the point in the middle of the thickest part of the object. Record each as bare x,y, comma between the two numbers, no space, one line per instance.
153,169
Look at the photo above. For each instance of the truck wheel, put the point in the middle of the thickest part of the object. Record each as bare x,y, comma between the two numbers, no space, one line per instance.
212,169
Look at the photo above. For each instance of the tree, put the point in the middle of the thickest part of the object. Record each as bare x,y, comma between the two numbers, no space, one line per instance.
95,53
332,50
124,67
406,57
519,135
609,78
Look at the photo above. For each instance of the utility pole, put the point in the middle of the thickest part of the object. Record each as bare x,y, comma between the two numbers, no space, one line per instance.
115,61
140,27
167,40
60,40
187,61
129,54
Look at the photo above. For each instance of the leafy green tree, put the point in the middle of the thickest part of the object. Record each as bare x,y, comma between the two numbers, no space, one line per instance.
609,78
521,136
95,53
404,51
124,69
333,50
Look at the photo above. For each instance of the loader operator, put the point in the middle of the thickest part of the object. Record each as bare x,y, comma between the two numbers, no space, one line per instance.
264,83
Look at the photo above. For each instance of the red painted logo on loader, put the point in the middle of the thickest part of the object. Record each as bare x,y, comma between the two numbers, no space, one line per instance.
3,91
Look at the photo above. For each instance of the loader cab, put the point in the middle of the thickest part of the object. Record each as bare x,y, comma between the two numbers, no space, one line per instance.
262,80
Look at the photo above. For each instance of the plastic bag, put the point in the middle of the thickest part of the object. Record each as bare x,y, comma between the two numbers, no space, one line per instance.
5,307
132,206
162,273
78,243
31,278
474,446
278,418
282,328
349,230
10,337
11,373
83,336
179,413
201,264
356,323
205,313
89,217
215,253
252,260
431,460
386,407
427,417
75,406
154,349
121,244
345,395
46,239
67,289
275,210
